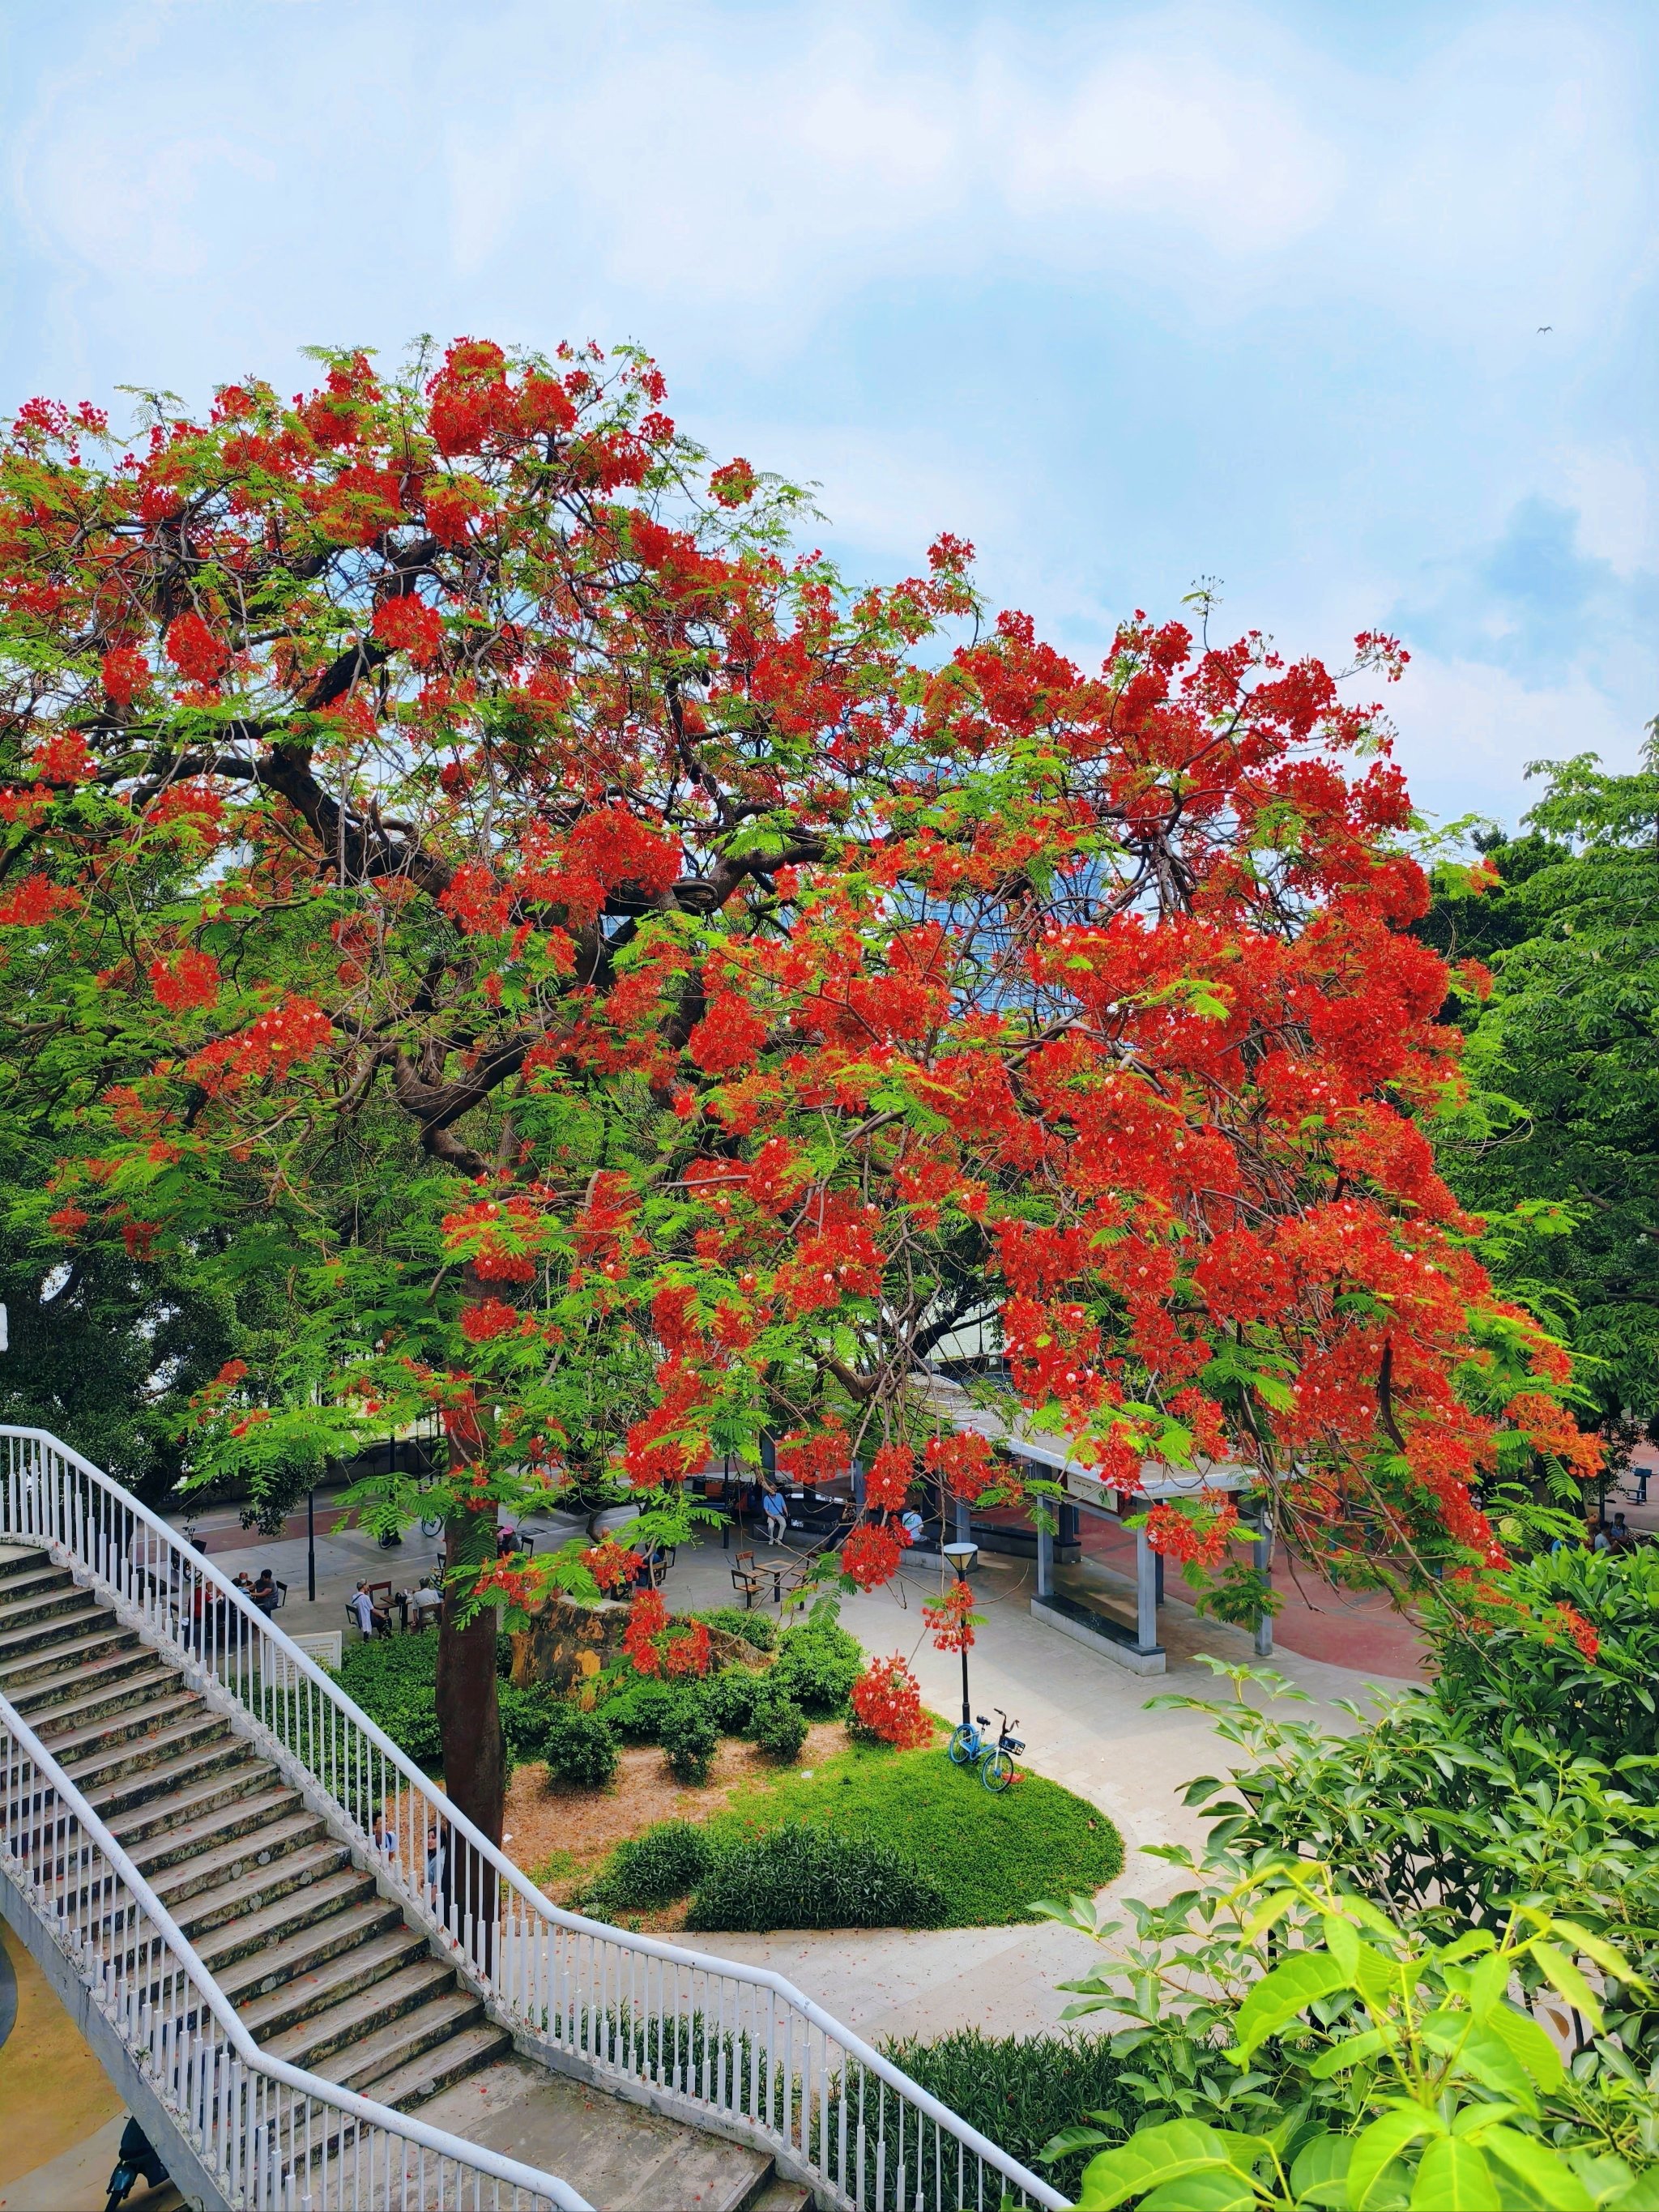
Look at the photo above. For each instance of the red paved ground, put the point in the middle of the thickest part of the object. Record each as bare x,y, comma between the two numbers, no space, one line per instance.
1346,1628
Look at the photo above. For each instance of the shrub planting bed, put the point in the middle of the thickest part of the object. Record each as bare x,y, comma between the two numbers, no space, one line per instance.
967,1858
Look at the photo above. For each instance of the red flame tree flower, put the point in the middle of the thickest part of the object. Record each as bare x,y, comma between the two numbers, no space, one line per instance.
616,989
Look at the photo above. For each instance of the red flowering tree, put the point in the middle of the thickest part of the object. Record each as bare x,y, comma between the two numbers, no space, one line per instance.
634,994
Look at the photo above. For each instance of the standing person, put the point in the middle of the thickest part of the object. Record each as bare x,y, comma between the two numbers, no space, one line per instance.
385,1836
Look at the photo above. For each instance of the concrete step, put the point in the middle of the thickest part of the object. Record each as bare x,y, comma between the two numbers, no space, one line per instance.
299,1988
87,1693
126,1775
87,1677
103,1637
205,1818
389,2047
373,2030
34,1640
618,2154
52,1595
122,1727
240,1876
299,1902
780,2196
462,2051
297,1933
204,1784
19,1579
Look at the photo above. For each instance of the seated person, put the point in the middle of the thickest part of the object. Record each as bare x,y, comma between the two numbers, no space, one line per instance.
265,1592
424,1604
776,1509
370,1618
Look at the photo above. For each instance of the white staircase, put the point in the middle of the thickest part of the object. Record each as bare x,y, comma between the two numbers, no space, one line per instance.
301,2020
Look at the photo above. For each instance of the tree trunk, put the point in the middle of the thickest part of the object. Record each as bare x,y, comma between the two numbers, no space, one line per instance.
470,1727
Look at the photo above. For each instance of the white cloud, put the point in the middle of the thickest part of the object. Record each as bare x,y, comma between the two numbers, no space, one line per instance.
1608,486
1467,731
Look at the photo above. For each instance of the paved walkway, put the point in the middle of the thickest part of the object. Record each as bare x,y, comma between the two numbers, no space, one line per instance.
1083,1718
1086,1725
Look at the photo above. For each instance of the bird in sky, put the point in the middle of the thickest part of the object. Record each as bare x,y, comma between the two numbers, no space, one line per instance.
1542,327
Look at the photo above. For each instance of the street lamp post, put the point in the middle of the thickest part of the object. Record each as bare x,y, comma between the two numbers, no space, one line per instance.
963,1557
311,1546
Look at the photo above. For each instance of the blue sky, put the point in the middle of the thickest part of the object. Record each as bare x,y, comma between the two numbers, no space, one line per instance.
1131,296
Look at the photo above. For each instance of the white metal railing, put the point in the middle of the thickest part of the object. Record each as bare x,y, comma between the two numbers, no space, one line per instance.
276,2139
714,2039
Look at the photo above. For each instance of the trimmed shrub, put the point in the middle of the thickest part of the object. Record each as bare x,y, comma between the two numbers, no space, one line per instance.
779,1727
802,1877
731,1699
818,1664
653,1869
579,1749
690,1739
758,1629
638,1712
526,1714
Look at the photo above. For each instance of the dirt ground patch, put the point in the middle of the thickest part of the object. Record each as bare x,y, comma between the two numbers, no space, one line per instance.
562,1837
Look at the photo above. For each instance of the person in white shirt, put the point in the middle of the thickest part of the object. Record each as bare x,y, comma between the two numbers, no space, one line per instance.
364,1610
425,1603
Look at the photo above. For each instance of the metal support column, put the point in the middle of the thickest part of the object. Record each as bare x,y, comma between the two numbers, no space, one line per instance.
1145,1592
1263,1549
1045,1564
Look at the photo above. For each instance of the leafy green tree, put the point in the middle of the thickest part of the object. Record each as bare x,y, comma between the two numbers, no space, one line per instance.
1559,1139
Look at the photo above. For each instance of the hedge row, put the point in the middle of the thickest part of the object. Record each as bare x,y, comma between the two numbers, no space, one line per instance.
792,1877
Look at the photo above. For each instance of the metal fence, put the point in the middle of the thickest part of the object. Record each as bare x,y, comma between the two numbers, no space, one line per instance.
712,2041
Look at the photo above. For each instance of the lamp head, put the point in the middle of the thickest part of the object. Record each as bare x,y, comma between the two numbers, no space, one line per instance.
963,1557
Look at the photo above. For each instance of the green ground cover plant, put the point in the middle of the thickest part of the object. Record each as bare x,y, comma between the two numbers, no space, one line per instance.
1018,2090
758,1629
798,1876
392,1678
654,1870
992,1856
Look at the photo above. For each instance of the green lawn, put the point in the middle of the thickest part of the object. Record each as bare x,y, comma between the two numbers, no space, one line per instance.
993,1855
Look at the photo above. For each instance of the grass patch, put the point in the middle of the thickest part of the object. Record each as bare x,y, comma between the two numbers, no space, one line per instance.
992,1855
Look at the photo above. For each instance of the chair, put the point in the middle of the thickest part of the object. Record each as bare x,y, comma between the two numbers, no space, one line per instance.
745,1578
658,1560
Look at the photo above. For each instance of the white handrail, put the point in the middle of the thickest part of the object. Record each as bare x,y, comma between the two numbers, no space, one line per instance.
709,2036
155,1989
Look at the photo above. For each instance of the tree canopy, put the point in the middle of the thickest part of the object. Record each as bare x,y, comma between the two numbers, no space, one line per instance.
1560,1139
473,881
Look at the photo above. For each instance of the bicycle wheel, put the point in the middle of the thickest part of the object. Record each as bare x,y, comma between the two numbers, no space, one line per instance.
432,1526
998,1771
963,1747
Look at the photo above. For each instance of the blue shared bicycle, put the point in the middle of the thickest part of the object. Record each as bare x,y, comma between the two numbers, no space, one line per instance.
995,1761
